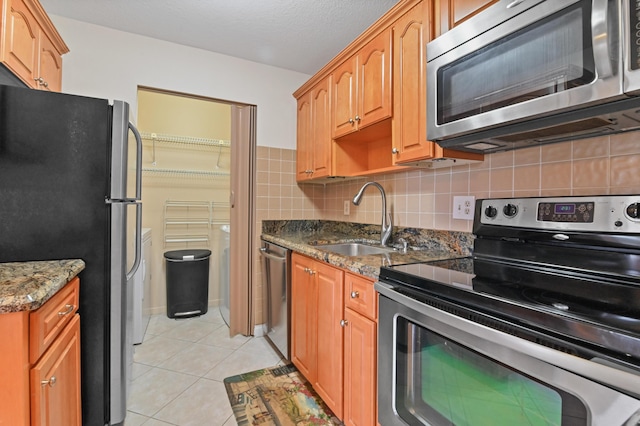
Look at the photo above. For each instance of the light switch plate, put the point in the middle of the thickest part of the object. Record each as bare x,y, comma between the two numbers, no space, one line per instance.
347,207
464,207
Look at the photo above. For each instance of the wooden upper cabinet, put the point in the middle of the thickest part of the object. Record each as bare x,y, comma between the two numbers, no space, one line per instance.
454,12
304,160
362,87
20,47
411,34
50,66
321,129
374,80
344,97
31,47
313,158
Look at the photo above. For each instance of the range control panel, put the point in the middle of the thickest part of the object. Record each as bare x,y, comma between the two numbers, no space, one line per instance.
566,212
596,213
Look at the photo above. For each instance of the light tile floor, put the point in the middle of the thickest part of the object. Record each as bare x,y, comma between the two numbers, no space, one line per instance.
179,368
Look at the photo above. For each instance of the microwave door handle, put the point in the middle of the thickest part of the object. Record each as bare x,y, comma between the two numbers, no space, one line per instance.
138,161
600,34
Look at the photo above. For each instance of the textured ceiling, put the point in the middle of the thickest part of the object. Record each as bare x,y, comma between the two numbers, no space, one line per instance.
299,35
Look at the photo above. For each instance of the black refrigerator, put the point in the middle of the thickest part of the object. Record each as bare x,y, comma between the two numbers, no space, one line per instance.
70,186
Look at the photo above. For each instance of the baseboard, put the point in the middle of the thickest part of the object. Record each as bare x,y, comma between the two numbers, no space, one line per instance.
258,330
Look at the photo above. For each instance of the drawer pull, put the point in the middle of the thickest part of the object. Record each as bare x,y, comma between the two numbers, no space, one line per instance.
51,382
70,309
355,294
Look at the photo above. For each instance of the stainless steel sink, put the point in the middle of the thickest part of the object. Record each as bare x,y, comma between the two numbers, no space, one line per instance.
354,249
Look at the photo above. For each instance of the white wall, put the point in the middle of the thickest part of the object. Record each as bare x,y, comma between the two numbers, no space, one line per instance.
111,64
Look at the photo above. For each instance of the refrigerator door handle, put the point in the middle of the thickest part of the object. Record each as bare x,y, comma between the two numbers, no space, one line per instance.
138,161
138,242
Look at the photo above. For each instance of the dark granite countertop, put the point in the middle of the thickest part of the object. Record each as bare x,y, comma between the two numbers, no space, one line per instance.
305,237
25,286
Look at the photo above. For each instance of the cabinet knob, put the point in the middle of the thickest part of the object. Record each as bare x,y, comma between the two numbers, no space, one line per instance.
355,294
312,272
69,309
51,382
394,151
351,120
344,323
358,118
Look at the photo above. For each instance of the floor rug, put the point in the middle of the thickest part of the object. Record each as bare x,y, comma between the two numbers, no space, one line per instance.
278,396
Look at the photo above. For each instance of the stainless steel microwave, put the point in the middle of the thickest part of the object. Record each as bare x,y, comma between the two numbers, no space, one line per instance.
528,72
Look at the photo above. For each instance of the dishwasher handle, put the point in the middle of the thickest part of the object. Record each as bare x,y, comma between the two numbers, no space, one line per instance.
265,253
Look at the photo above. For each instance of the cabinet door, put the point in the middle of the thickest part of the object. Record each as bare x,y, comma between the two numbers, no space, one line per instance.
304,149
303,316
20,50
321,129
330,303
50,66
411,33
360,370
374,81
454,12
343,81
55,381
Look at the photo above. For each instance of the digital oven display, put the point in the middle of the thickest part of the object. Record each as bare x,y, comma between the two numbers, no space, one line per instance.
564,208
566,212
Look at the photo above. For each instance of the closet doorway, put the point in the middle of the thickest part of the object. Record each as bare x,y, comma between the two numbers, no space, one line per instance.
197,193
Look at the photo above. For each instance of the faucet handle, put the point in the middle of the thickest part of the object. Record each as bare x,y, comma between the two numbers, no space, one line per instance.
402,245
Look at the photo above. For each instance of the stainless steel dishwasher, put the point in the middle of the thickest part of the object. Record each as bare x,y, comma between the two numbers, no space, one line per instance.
276,285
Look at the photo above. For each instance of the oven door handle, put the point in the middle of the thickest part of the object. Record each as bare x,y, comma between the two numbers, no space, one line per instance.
600,38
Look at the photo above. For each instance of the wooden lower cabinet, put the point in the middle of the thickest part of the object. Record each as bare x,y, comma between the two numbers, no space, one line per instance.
360,370
330,304
40,363
55,390
360,351
334,341
303,317
317,335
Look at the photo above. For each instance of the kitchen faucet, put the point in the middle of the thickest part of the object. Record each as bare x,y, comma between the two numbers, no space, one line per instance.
387,225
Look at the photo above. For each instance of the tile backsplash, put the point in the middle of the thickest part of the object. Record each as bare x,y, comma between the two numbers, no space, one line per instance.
423,198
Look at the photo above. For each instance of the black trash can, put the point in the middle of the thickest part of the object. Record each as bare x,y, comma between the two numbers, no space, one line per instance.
187,282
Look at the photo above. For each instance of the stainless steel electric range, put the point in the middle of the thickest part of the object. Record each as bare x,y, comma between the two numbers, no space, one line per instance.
541,325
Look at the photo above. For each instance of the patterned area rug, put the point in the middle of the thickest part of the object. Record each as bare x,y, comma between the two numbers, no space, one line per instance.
276,396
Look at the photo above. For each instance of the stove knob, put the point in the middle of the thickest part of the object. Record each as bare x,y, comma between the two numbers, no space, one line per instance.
510,210
633,211
491,212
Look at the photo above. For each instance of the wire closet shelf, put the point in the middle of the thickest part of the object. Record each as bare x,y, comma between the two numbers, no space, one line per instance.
184,140
191,221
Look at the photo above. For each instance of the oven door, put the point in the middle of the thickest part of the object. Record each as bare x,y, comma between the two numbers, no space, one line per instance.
552,57
436,368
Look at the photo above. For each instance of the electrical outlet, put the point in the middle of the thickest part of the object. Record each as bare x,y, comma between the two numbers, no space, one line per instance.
464,207
347,207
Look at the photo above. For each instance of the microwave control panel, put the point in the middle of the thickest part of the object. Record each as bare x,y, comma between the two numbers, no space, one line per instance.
634,32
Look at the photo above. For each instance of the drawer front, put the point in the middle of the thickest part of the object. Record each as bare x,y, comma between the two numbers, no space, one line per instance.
360,296
46,322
